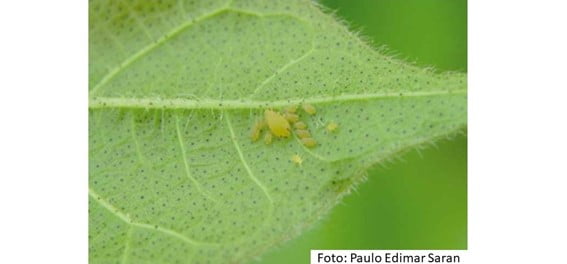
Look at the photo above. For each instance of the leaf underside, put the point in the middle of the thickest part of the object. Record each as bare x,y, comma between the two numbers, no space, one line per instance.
176,86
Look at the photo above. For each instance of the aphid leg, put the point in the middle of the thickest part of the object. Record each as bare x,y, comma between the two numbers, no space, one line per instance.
292,118
291,109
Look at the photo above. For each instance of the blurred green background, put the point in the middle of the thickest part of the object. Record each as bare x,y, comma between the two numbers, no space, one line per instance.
420,200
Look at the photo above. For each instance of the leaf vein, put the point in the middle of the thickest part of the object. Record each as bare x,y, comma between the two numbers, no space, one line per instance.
124,217
127,246
160,41
244,163
167,36
186,165
282,69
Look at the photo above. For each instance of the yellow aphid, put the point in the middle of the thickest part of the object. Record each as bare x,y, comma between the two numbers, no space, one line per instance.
296,159
309,142
300,125
291,109
332,126
309,109
268,138
257,129
292,118
279,126
301,133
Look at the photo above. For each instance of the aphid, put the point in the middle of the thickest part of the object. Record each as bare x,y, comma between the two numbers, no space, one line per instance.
257,129
268,138
292,118
301,133
309,142
277,123
291,109
296,159
300,125
332,126
309,109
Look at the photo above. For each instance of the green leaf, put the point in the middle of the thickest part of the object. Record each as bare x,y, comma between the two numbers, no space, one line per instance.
176,86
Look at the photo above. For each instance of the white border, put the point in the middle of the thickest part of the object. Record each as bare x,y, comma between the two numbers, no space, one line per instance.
517,132
43,135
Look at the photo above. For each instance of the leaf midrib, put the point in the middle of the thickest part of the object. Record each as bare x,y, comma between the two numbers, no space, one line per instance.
220,104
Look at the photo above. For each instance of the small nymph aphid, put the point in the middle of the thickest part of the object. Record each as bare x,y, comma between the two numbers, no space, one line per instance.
296,159
309,142
309,109
279,126
292,118
332,126
300,125
291,109
301,133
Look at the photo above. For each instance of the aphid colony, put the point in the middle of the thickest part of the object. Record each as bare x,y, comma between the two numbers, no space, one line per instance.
282,124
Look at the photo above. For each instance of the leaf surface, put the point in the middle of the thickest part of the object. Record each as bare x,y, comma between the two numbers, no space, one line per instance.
176,86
